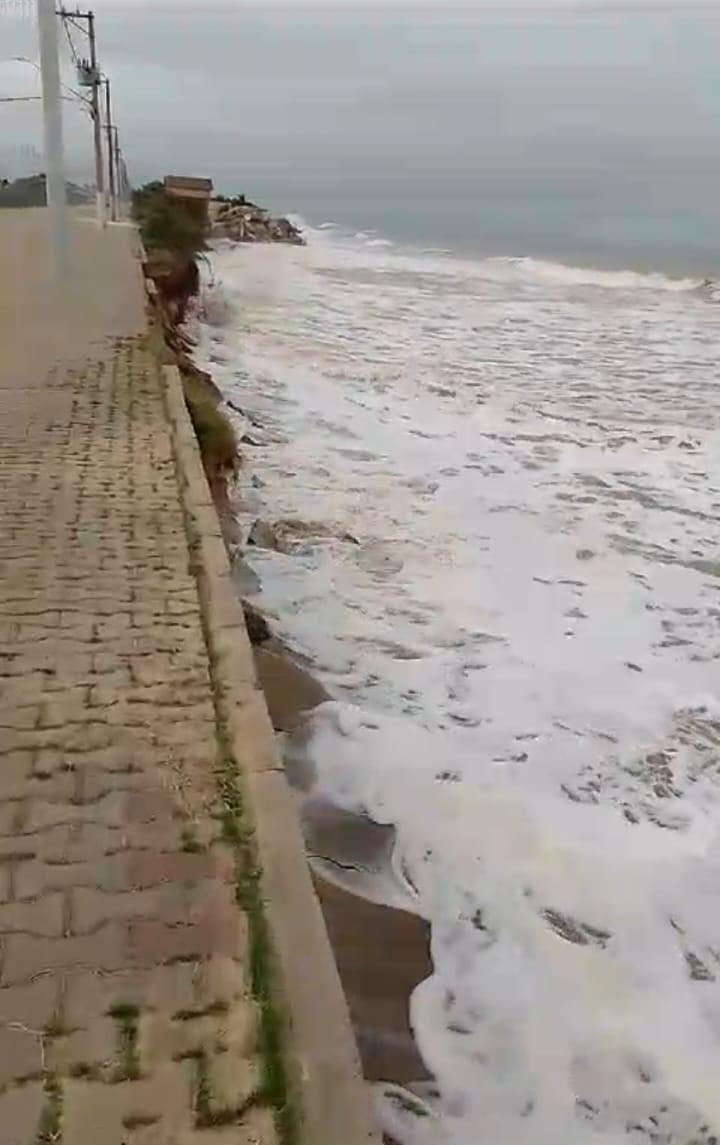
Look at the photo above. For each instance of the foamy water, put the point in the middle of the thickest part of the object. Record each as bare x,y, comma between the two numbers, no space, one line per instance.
500,482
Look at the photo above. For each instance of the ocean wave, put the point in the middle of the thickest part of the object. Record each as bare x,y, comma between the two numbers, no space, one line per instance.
563,275
382,255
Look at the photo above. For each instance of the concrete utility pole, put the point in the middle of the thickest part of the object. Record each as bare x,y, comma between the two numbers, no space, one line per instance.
119,185
110,151
56,189
89,76
97,129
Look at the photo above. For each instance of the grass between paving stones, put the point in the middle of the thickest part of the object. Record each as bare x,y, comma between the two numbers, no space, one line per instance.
249,896
50,1127
127,1020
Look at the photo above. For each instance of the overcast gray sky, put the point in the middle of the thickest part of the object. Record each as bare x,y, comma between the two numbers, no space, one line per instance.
523,117
439,4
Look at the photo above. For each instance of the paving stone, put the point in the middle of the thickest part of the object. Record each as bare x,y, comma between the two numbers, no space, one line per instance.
21,1053
33,877
147,868
20,1112
41,916
166,989
170,903
26,956
15,767
33,1004
84,1051
107,1113
232,1082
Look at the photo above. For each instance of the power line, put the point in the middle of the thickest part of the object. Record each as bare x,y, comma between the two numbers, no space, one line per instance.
69,17
77,95
73,53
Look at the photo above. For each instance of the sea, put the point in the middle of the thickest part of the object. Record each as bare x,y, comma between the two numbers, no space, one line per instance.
483,403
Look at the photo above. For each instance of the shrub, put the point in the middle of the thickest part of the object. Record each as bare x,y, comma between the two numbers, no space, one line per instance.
167,223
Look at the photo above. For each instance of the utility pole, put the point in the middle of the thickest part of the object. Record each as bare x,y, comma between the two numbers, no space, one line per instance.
89,77
56,190
119,181
97,135
110,151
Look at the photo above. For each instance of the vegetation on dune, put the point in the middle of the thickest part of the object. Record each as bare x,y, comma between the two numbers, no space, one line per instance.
167,223
173,234
214,431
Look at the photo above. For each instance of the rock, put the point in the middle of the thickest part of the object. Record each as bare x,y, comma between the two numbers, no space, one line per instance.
244,578
200,378
241,221
290,690
288,535
257,626
264,536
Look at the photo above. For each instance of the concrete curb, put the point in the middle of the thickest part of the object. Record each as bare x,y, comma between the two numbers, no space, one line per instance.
330,1095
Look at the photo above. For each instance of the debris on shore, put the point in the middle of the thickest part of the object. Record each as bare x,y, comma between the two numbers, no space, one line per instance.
241,221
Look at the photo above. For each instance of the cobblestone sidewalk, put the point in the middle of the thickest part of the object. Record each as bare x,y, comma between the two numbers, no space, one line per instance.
124,1010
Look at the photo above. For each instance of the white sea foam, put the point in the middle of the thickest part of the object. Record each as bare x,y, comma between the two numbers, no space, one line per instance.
589,276
523,650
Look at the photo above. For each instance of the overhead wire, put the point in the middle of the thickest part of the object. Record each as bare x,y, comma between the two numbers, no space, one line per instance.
73,53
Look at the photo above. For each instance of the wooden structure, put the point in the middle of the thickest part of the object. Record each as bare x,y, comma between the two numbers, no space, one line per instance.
194,192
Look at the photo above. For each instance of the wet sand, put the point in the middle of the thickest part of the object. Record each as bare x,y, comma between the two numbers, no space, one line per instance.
382,952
